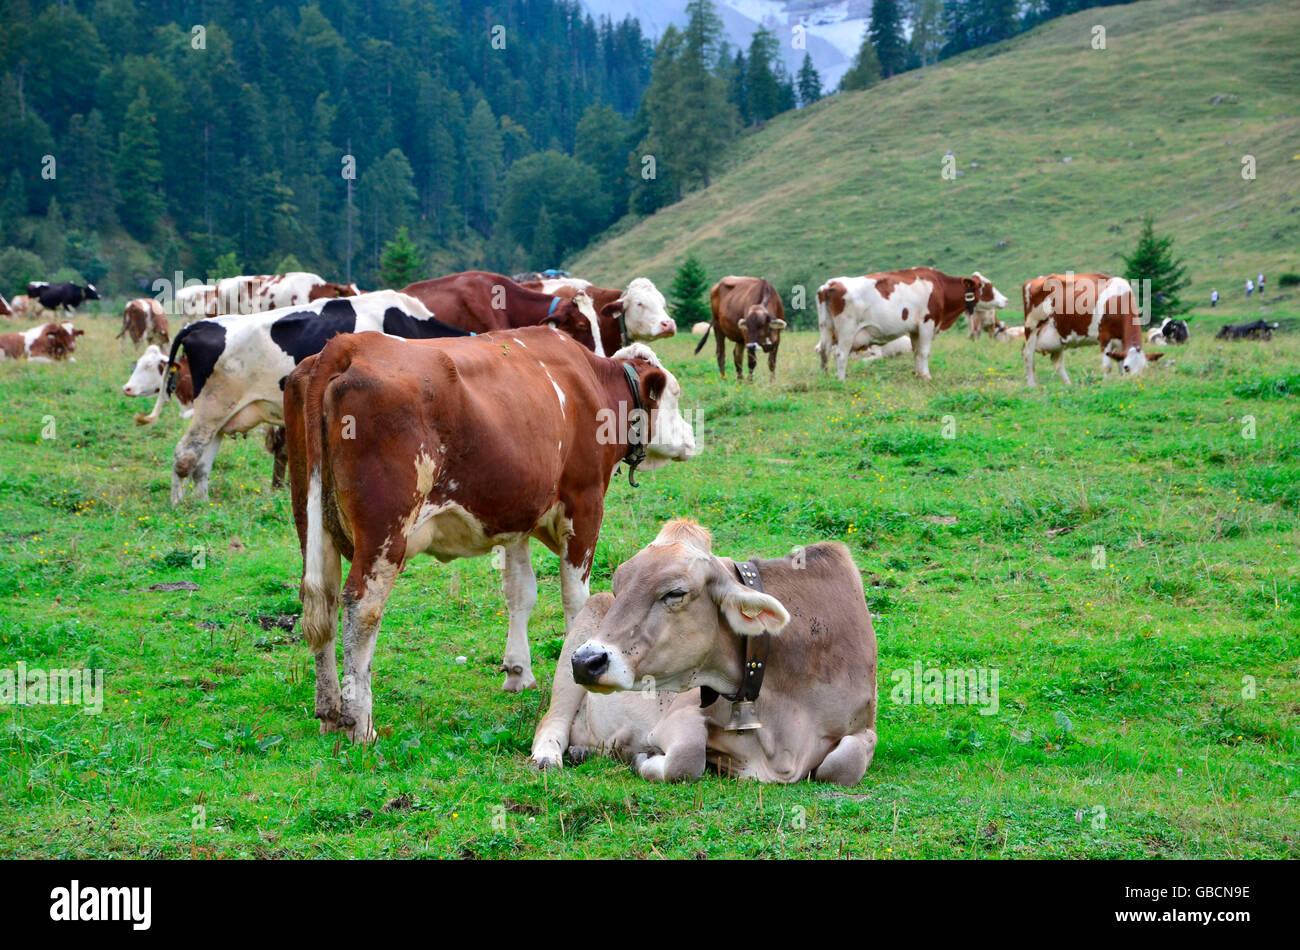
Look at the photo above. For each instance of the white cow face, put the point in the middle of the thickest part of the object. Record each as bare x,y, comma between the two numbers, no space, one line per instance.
645,312
671,436
676,613
987,297
147,377
1134,362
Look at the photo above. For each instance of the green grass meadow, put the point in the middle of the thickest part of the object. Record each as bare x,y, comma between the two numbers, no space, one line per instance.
1119,551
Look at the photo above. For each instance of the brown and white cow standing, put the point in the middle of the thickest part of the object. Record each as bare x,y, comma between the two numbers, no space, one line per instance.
919,302
1063,311
143,319
260,293
681,623
458,448
749,312
480,301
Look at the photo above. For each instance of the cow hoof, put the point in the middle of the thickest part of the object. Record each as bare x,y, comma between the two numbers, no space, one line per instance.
328,725
518,682
547,760
579,754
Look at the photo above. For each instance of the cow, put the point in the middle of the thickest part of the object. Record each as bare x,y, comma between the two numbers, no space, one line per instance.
239,364
920,302
480,301
264,292
749,312
149,373
1259,330
442,460
986,322
27,308
143,319
196,302
5,310
46,343
65,297
1063,311
1169,331
1009,334
637,313
702,635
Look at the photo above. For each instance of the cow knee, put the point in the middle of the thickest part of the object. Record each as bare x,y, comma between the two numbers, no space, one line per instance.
848,761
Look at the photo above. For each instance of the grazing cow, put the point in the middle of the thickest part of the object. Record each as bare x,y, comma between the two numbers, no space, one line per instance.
151,370
705,634
65,296
1259,330
638,313
263,292
239,364
1169,331
1063,311
442,460
984,321
749,312
480,301
196,302
144,317
920,302
46,343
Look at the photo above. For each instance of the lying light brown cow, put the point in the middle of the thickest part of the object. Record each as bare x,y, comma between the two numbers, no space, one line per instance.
678,620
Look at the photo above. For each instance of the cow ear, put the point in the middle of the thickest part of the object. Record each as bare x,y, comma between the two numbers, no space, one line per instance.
778,324
1117,357
749,613
653,383
1152,357
968,282
612,310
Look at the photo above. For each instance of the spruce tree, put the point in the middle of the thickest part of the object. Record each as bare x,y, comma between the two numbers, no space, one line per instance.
809,82
762,81
865,71
139,169
400,263
1153,259
886,33
688,295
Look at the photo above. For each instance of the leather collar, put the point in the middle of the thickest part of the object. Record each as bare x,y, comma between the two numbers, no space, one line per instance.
756,648
635,445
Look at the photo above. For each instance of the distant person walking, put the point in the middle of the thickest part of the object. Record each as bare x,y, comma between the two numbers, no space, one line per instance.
1260,284
1214,298
1250,285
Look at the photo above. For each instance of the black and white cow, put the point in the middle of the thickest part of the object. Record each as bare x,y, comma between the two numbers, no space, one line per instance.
1169,331
238,365
65,296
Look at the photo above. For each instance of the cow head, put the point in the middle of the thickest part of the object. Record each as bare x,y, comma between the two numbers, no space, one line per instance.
978,293
644,311
671,437
676,614
1175,331
760,327
1135,361
72,333
55,341
147,377
568,316
90,292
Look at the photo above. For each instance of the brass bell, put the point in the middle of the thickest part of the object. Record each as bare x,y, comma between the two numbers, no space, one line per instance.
744,717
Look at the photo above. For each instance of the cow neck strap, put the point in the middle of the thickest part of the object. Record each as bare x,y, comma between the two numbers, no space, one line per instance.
635,442
625,340
555,302
754,666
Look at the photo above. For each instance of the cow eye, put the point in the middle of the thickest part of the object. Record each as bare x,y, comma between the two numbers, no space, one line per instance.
674,598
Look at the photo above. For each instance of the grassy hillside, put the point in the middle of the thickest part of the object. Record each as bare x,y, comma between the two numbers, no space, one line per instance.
854,184
1124,727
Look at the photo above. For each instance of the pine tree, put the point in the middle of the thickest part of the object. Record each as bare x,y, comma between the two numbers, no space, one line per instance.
809,83
1153,259
761,79
139,169
865,71
886,33
927,19
689,293
400,264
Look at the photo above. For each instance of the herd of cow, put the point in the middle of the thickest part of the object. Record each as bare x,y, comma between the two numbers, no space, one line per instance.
481,412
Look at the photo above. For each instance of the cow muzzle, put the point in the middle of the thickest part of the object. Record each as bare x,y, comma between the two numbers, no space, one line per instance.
590,662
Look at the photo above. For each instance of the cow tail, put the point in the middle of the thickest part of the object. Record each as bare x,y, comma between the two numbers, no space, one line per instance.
704,339
317,619
169,379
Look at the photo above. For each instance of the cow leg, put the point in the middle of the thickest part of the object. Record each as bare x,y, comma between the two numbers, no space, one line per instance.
771,362
194,445
320,620
683,735
551,737
1031,344
847,762
841,362
921,341
204,468
752,361
520,586
575,579
370,581
720,342
1058,364
739,358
